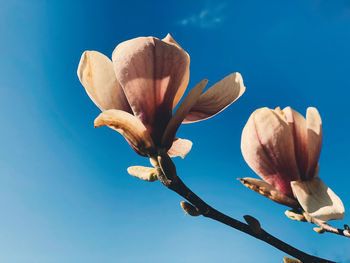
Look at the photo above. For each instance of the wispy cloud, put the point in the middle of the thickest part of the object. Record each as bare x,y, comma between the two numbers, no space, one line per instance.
212,15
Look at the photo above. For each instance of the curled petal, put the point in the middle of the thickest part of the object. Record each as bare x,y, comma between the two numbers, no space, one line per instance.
144,173
180,147
217,98
314,139
151,71
181,113
96,74
267,147
129,126
318,200
298,127
268,191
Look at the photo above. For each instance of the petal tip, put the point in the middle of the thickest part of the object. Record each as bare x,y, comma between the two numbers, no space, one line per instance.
98,122
82,65
168,38
313,114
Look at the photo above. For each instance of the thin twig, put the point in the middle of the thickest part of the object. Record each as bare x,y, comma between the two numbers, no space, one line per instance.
330,229
173,182
301,215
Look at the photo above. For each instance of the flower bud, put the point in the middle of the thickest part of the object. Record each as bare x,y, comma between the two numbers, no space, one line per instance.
283,148
189,209
253,223
144,173
291,260
294,215
319,230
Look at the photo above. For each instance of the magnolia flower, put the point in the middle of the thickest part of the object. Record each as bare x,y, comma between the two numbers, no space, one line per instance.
139,89
283,148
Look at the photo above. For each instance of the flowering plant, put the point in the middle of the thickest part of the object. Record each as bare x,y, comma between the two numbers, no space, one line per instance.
283,148
138,92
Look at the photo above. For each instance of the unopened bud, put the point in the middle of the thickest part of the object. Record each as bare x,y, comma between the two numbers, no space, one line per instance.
291,260
253,223
319,230
189,209
294,215
144,173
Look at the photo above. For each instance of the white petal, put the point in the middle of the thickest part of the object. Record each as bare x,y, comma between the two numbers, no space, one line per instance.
318,200
96,74
180,147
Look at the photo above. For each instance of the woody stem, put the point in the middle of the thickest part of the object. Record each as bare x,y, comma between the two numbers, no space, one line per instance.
331,229
176,184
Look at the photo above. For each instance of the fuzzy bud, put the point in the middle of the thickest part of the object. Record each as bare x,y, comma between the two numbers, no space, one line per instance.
253,223
189,209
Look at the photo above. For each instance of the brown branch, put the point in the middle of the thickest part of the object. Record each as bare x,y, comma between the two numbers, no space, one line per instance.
331,229
301,215
174,183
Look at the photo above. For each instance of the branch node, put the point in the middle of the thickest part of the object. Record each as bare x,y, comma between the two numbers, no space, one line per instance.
253,223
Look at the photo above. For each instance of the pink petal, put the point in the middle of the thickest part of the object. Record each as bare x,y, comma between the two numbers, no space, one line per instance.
169,39
268,191
181,112
314,138
318,200
298,127
180,147
180,92
267,147
130,127
217,98
151,71
96,74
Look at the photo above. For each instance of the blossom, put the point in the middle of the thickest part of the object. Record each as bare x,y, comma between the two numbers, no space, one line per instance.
283,148
139,89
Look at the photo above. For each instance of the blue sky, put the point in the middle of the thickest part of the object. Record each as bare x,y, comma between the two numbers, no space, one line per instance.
65,195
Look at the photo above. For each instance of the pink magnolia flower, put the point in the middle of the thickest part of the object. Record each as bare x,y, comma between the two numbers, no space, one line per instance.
283,148
139,89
